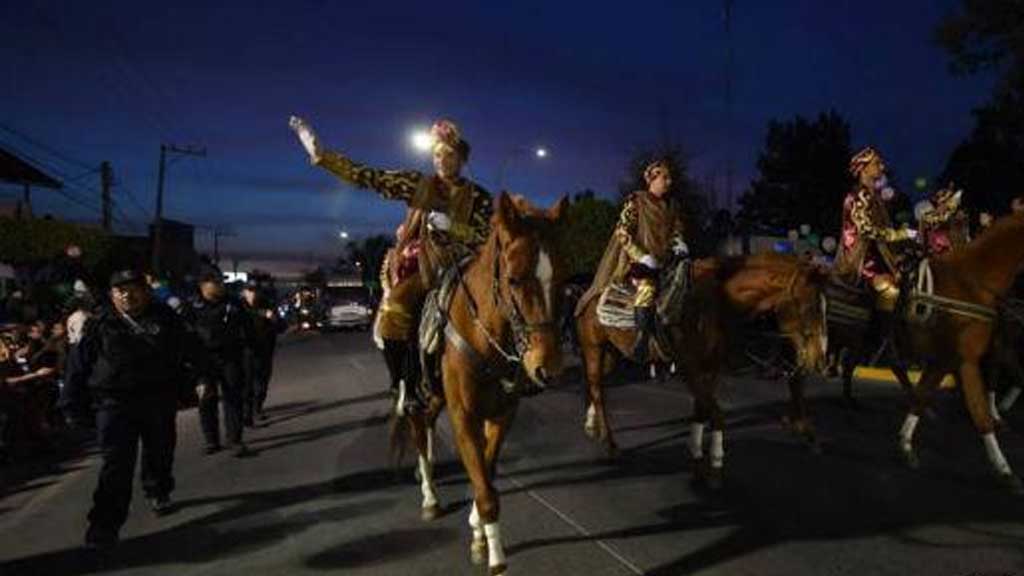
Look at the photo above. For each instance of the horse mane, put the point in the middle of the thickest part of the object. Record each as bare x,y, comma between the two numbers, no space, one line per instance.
768,262
989,246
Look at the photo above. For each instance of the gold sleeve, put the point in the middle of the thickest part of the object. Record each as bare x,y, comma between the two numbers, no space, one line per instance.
625,231
390,184
939,216
860,215
476,231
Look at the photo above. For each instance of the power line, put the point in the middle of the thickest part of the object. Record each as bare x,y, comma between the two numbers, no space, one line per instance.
55,153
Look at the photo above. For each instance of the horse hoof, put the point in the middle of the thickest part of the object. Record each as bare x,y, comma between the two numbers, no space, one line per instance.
613,452
499,570
591,431
910,459
430,513
1012,483
478,552
714,479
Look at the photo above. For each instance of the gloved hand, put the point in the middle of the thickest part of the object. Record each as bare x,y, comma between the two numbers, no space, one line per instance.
306,135
910,234
649,261
438,221
679,248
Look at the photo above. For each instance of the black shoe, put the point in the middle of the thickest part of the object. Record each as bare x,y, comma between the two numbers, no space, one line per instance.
644,331
161,505
249,422
239,449
211,449
102,540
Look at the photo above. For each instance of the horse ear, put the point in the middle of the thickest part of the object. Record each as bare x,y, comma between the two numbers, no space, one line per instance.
506,210
560,210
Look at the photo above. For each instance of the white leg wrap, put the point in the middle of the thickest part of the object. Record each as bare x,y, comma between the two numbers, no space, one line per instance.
697,440
430,444
995,455
474,523
907,432
993,409
400,403
591,417
495,550
427,483
717,449
1010,399
653,371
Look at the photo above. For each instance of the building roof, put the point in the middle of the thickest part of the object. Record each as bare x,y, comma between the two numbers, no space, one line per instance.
17,171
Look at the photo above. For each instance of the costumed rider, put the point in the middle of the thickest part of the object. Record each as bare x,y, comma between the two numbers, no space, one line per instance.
649,231
865,249
943,225
449,217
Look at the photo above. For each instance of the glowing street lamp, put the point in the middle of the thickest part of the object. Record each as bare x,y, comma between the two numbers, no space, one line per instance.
541,152
343,235
421,140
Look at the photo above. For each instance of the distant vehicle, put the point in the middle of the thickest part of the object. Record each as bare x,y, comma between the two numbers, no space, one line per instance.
346,303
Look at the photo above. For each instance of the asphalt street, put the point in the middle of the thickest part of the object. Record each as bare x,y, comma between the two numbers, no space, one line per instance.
321,496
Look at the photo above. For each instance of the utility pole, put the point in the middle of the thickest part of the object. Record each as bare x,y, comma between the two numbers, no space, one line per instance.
219,233
166,149
106,181
729,57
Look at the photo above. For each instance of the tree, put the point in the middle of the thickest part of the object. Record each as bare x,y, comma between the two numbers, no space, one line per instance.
802,176
585,232
988,36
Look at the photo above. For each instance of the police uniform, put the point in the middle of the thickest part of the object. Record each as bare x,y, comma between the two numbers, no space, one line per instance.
131,370
225,331
259,356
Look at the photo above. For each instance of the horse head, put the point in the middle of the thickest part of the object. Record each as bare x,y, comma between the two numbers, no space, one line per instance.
529,276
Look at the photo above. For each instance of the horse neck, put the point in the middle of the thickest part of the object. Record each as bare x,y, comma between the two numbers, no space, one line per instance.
477,286
760,288
994,259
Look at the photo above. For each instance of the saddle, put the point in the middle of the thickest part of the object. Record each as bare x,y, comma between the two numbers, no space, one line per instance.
615,306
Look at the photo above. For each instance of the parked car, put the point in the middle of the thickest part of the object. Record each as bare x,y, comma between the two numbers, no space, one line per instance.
346,306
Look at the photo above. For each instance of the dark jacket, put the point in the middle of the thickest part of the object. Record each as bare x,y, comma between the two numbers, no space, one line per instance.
264,330
224,328
121,359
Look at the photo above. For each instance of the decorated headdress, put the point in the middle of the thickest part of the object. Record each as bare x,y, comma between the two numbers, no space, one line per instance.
861,159
652,169
447,133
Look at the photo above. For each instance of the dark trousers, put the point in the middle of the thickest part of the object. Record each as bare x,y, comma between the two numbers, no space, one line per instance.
228,388
259,365
120,425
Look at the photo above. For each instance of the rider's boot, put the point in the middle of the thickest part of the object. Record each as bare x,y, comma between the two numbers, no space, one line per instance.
644,332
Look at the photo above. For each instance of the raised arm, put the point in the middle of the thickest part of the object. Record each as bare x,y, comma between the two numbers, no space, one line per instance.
391,184
866,227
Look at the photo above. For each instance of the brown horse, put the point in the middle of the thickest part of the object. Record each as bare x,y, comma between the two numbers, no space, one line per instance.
502,324
979,275
725,292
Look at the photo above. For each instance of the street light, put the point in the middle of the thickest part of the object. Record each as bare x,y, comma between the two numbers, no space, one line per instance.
421,140
343,235
539,152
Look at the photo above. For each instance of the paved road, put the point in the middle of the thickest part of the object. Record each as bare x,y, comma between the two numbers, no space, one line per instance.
320,496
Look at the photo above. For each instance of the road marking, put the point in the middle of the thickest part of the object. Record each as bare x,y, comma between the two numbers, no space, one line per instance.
579,528
564,517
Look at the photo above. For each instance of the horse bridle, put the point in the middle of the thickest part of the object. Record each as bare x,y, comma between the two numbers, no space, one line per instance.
510,310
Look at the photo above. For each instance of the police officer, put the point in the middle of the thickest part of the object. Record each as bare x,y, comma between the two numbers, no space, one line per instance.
259,357
129,362
225,330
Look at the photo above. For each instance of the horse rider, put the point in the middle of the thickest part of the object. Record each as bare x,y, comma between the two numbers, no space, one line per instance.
942,224
448,218
648,232
865,248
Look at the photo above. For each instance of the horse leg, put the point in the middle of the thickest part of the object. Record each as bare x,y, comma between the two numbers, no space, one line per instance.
469,434
597,414
977,405
926,386
798,412
716,448
495,431
423,433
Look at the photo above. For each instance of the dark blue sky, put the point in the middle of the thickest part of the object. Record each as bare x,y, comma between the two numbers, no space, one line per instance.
112,80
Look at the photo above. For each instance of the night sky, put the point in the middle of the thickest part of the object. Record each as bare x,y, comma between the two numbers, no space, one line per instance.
96,80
